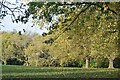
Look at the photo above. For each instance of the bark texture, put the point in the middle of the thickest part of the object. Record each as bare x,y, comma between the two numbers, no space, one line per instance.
111,63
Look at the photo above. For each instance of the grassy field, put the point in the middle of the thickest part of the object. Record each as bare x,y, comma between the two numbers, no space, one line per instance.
40,73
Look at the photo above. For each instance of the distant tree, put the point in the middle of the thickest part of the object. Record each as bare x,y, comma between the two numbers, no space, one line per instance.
37,52
13,46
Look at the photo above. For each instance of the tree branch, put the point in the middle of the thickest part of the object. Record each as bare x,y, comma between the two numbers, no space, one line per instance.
8,9
12,10
72,21
79,14
90,3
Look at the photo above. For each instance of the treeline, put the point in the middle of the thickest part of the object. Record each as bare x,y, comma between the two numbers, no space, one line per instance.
36,50
82,35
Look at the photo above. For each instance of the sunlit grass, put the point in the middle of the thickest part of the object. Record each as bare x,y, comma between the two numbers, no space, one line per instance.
57,72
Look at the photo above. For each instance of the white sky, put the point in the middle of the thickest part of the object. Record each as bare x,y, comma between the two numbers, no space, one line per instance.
10,26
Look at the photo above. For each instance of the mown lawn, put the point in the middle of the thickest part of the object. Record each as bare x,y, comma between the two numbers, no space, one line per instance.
40,73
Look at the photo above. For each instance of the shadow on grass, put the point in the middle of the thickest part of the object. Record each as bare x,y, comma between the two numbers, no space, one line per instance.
60,79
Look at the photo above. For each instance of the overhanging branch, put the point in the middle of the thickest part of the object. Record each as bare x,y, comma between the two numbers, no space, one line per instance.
8,9
12,11
72,22
89,3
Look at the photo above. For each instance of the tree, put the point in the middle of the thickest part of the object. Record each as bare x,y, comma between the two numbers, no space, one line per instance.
37,52
100,10
5,46
107,38
13,46
81,28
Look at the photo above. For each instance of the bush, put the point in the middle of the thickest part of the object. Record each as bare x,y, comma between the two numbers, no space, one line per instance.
40,62
102,62
53,62
93,64
70,62
117,63
14,61
43,62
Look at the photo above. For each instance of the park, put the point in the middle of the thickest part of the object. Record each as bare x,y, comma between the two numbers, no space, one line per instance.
79,40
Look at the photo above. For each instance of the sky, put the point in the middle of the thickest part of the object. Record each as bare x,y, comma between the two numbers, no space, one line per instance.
8,25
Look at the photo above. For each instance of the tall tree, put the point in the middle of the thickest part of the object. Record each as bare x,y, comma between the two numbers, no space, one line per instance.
81,27
93,22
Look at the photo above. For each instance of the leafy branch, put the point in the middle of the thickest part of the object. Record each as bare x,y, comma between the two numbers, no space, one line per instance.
64,29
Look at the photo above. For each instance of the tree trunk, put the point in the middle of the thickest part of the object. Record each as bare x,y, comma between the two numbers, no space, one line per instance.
111,63
27,63
87,58
4,62
36,63
87,62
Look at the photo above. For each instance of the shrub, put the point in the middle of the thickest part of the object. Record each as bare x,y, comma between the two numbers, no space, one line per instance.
117,63
70,62
14,61
53,62
102,62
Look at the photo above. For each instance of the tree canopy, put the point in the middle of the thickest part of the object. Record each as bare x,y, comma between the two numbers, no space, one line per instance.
81,32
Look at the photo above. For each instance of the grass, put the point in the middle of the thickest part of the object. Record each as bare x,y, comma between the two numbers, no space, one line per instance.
31,72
